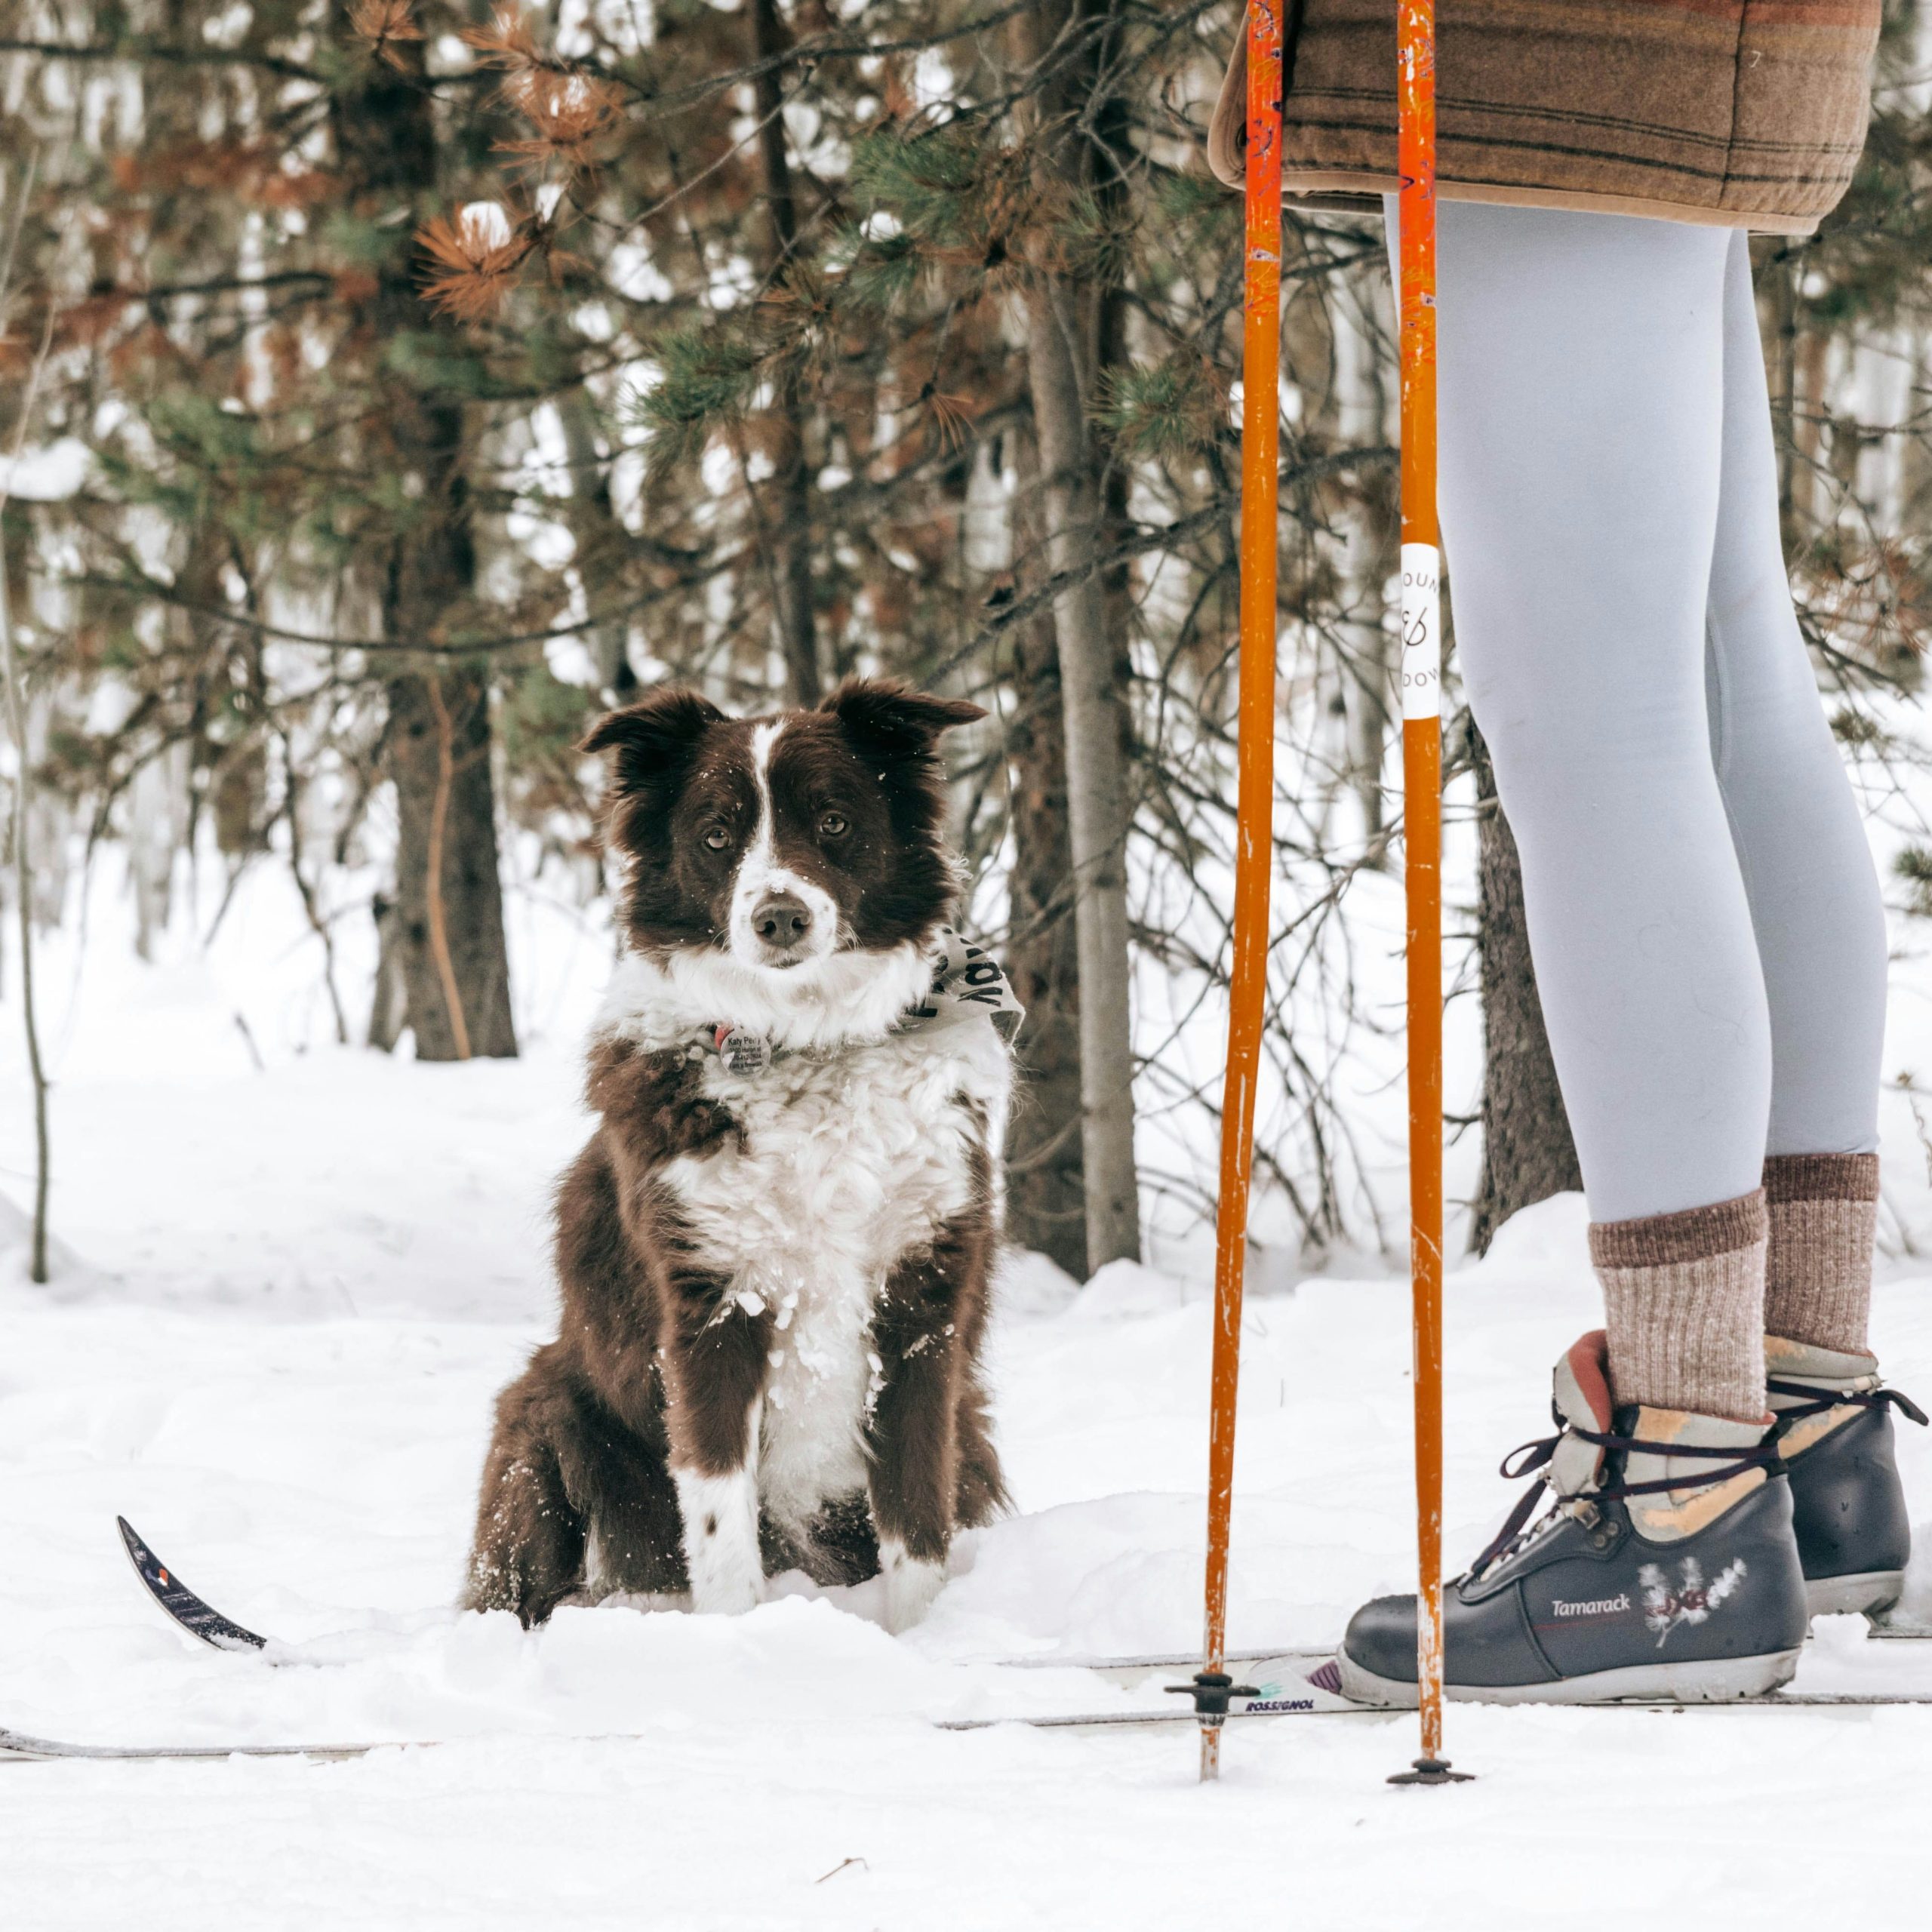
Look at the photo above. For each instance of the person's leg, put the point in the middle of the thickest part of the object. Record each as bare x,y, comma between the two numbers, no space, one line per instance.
1582,422
1821,935
1582,392
1807,869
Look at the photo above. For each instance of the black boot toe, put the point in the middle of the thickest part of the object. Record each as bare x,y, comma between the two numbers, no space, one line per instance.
1381,1638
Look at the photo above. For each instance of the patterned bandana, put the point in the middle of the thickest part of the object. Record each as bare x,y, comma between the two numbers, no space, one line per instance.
966,979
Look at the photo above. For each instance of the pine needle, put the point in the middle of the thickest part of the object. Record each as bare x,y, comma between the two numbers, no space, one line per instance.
569,108
476,258
710,375
1163,412
569,111
382,26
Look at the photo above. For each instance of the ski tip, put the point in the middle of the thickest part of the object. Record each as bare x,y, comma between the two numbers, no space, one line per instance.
198,1619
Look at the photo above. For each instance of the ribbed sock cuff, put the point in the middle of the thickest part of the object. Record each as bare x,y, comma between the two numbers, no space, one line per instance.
1824,1220
1685,1295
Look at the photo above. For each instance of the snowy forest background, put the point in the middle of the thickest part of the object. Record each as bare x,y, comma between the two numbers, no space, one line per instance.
388,386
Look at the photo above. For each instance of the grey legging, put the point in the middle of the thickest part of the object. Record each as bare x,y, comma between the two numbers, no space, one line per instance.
1703,912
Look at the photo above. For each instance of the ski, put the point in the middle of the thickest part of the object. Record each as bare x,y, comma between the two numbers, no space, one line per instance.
1277,1684
1309,1683
1309,1699
1328,1704
198,1619
15,1746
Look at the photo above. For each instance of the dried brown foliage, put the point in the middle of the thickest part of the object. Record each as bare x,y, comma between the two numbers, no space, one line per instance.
507,41
569,108
569,112
473,262
382,26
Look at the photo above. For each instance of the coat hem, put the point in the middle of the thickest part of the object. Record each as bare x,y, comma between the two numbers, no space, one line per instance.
1342,191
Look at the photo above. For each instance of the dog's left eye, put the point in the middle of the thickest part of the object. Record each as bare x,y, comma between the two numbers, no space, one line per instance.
831,825
717,839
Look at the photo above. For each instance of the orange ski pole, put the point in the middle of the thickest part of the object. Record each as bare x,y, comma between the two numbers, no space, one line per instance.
1421,818
1260,417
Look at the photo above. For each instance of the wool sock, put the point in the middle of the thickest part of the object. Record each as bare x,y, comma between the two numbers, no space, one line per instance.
1685,1295
1824,1216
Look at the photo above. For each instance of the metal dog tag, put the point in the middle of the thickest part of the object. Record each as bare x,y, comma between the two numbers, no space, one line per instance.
744,1053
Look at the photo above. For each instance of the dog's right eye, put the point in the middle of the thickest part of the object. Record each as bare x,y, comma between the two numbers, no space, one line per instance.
717,839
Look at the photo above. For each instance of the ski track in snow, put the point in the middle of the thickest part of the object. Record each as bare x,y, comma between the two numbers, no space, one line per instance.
286,1302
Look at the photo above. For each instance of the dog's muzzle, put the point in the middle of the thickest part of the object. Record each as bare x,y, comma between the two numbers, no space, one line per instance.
782,925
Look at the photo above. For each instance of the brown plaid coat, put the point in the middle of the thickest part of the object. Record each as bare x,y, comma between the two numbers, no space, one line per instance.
1738,113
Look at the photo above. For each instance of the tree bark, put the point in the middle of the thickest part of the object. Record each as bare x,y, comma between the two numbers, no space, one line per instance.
601,543
1045,1196
449,932
1061,340
1061,333
1528,1152
448,937
389,999
790,491
1092,708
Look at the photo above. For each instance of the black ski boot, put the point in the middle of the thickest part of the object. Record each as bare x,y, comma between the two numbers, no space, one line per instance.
1666,1568
1835,1435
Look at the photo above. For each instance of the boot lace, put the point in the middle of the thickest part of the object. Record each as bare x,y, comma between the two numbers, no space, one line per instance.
1824,1399
1529,1457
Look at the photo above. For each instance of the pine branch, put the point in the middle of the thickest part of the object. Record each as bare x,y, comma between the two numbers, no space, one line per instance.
806,53
460,647
140,47
169,291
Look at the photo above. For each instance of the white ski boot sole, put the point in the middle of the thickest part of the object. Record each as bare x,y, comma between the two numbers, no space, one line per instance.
1869,1592
1715,1682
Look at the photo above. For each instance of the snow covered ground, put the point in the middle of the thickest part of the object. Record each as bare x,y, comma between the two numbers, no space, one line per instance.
287,1297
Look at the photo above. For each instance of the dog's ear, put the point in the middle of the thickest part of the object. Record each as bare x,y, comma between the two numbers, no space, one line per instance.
653,736
892,717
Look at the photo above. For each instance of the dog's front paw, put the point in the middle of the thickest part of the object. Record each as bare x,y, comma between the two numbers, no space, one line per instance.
911,1585
731,1596
720,1541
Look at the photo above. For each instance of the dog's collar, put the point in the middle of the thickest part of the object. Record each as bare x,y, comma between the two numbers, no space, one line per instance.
966,979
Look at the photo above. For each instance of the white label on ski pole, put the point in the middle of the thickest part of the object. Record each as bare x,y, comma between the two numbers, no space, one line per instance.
1422,634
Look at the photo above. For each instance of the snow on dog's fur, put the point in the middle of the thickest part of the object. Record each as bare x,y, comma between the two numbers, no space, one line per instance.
773,1281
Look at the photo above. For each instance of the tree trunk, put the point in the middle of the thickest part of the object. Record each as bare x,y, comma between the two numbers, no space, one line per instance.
1527,1153
1091,709
241,790
448,936
601,543
449,911
1046,1201
160,800
1061,334
388,1000
790,491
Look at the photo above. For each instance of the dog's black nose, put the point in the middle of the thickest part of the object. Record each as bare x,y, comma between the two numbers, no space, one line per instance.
782,921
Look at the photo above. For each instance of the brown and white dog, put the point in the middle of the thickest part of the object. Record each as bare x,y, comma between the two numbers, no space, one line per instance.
774,1251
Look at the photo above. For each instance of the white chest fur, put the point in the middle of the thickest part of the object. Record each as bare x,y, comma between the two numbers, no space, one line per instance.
853,1157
